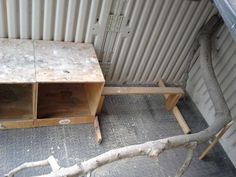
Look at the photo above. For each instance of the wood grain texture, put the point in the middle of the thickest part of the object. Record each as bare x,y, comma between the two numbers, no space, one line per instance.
97,131
216,140
17,61
66,81
62,100
64,121
31,123
17,124
66,62
141,90
93,92
180,119
171,101
16,101
100,105
35,99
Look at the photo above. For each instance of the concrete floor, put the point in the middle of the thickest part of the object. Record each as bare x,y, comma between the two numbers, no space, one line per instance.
125,120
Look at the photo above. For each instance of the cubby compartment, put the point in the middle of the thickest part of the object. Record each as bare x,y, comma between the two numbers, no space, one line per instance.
65,100
16,101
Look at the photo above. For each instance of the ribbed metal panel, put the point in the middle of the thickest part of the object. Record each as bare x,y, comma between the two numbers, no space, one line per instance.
137,41
224,62
160,41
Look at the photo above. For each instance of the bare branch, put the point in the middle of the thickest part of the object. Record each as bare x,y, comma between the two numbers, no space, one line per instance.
53,163
27,165
188,159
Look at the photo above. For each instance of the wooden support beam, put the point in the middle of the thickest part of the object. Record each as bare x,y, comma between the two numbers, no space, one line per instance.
100,104
216,140
16,124
141,90
180,119
64,121
97,131
175,93
171,101
34,99
31,123
162,84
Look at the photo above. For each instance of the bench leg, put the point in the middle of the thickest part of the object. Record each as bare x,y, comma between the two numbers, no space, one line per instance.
171,101
99,109
97,130
180,119
216,139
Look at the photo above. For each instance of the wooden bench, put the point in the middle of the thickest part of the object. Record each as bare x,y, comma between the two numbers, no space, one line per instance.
171,94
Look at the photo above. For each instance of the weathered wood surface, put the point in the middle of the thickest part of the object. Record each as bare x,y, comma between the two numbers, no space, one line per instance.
141,90
27,61
215,140
66,62
66,83
17,61
15,101
97,130
180,119
62,100
31,123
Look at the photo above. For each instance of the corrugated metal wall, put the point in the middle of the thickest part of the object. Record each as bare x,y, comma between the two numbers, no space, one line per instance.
137,41
224,62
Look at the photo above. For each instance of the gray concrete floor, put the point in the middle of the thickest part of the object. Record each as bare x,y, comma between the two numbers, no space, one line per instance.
125,120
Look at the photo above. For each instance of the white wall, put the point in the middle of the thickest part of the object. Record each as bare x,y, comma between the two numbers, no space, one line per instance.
224,62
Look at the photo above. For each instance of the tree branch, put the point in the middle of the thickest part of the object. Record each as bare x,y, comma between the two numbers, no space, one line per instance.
27,165
188,159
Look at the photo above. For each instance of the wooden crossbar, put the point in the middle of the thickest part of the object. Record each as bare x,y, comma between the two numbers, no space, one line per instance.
180,119
141,90
216,140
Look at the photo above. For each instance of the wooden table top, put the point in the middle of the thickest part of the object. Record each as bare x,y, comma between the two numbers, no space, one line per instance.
27,61
66,62
17,61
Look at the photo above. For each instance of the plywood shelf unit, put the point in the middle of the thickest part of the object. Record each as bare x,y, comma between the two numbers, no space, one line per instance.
66,100
44,83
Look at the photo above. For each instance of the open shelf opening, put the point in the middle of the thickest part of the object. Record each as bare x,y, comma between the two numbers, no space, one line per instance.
16,101
61,100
